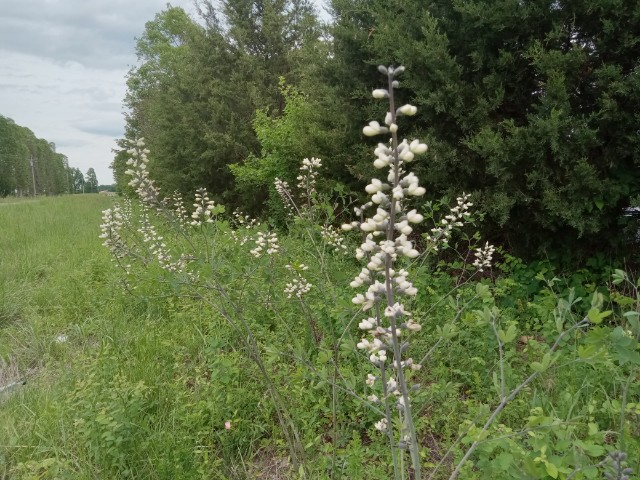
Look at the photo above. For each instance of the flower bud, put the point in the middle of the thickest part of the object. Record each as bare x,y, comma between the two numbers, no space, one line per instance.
406,156
414,217
380,93
380,163
408,110
417,147
375,186
373,129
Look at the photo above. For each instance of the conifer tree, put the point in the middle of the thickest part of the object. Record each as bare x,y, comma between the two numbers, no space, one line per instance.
531,105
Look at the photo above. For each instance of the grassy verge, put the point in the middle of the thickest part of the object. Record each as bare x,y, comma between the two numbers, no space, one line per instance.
152,383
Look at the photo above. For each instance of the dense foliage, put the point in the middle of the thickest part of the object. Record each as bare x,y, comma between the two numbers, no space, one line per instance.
27,162
196,91
139,374
530,106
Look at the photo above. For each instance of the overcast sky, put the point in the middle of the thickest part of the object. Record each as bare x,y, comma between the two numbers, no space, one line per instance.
62,71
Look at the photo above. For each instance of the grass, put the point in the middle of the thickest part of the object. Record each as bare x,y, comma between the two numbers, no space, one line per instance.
140,386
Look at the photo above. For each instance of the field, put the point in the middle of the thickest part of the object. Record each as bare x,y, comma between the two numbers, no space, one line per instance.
141,372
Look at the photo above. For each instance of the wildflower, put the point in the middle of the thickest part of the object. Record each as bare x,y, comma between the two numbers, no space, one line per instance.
386,241
284,192
484,256
381,425
227,425
332,237
265,243
205,208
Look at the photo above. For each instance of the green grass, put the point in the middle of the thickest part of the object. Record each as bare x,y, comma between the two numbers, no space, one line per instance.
139,384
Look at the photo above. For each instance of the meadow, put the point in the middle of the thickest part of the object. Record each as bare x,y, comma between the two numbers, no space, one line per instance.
140,372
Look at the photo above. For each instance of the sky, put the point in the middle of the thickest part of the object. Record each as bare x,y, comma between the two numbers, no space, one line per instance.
62,71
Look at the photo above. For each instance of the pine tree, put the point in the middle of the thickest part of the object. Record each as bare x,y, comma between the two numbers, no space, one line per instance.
532,106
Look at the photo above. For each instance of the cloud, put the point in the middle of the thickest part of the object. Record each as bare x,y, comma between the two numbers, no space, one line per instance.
62,71
97,33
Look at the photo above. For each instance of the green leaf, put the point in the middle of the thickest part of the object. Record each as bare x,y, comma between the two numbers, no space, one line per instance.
619,276
552,470
596,316
537,367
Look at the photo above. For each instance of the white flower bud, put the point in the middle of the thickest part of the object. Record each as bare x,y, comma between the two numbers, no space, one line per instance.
373,129
365,325
375,186
380,163
415,190
413,326
368,227
380,93
414,217
381,425
393,128
417,147
388,119
379,198
406,156
407,110
347,227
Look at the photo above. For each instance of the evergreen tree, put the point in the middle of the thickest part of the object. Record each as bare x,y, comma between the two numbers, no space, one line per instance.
91,181
530,105
194,95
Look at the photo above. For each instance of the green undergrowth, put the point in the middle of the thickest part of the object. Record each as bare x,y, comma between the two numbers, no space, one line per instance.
140,377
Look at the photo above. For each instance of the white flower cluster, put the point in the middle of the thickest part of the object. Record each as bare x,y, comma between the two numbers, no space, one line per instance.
204,208
265,242
484,257
176,203
332,237
299,285
284,192
242,223
159,250
308,175
441,234
140,180
112,223
387,231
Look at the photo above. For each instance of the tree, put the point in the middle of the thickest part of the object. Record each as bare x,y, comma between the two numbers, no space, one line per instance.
194,95
77,180
19,149
530,105
91,181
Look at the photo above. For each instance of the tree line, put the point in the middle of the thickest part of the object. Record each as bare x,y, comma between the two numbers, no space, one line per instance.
31,165
530,106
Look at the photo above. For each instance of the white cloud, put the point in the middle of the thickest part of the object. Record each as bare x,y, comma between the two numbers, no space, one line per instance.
62,71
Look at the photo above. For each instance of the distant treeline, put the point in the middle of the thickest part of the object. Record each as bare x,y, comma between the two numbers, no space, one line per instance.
531,107
28,163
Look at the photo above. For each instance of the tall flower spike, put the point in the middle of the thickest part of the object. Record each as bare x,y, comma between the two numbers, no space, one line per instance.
385,243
